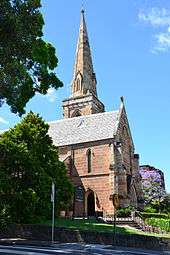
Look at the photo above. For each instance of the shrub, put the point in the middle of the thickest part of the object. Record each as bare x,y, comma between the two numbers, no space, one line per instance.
154,215
124,212
4,217
163,224
149,209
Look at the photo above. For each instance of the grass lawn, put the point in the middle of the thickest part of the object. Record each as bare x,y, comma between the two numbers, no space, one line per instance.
96,226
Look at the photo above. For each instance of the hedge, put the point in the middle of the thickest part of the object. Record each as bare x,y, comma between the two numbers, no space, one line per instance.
163,224
124,212
154,215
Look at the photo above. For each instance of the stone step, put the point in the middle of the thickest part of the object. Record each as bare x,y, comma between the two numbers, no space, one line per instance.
127,222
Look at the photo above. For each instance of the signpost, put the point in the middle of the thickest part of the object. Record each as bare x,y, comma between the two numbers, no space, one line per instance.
53,210
116,204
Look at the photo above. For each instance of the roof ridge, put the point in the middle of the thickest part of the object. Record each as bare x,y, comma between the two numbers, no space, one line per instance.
82,117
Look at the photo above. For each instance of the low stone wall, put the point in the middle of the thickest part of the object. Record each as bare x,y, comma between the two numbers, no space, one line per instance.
43,233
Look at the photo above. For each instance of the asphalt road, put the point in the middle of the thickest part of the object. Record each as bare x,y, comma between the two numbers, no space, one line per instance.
74,249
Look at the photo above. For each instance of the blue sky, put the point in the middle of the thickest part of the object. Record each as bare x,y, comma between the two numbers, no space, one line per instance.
130,43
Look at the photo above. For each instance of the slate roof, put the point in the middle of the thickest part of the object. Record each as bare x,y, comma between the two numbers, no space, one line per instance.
85,128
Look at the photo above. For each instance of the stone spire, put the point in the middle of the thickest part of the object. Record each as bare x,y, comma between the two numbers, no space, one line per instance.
83,99
84,79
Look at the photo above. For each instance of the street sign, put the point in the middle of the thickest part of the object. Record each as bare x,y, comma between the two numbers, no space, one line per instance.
52,192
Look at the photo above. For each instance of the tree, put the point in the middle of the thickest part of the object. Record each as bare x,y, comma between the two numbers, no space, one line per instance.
28,164
26,60
154,192
165,204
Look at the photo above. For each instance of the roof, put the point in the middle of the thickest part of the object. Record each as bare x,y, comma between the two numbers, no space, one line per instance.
85,128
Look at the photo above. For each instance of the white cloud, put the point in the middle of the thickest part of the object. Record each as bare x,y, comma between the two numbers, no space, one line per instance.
163,41
3,121
50,91
51,96
159,19
156,17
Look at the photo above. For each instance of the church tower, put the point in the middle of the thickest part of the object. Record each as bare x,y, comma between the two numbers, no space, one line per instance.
83,99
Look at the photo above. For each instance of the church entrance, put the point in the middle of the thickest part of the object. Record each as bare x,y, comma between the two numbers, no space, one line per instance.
90,205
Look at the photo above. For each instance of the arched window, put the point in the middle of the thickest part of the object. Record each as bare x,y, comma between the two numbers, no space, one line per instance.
89,161
130,158
77,87
76,113
129,179
125,131
78,84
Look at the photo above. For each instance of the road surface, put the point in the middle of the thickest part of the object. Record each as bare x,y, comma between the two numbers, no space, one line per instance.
74,249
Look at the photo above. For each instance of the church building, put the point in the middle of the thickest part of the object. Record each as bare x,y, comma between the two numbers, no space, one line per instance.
96,146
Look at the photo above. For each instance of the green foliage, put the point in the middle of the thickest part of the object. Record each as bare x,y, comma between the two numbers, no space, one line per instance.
150,209
162,207
28,164
165,204
154,215
163,224
26,61
124,212
4,216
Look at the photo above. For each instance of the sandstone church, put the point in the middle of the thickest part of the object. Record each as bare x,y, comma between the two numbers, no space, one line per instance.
96,146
